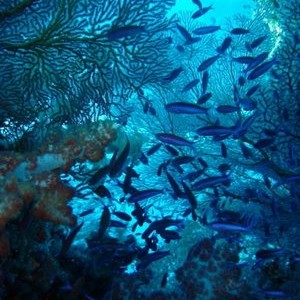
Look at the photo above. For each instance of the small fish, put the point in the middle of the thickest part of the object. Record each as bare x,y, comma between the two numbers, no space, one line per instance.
139,214
104,222
228,227
193,175
208,62
211,182
171,150
241,81
122,215
173,140
185,108
256,61
117,164
117,224
224,168
203,163
144,159
190,196
246,151
242,127
201,11
142,195
183,159
153,149
190,85
206,30
261,69
180,48
257,41
225,45
204,98
161,168
223,150
184,32
152,111
198,3
169,235
174,185
239,30
161,225
269,253
274,294
243,59
66,244
102,192
174,74
126,31
151,257
86,212
193,40
252,90
99,175
214,130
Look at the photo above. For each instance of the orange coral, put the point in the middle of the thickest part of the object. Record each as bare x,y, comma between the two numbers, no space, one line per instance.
33,178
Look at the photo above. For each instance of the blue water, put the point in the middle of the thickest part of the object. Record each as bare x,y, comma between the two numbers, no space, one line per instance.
149,149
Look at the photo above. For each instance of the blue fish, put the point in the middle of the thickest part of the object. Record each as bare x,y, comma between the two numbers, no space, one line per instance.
169,235
153,149
215,130
202,11
252,90
122,215
246,151
239,30
269,253
142,195
261,69
104,222
208,62
229,227
171,150
225,45
117,164
67,242
211,182
204,98
190,196
243,59
174,185
185,108
126,31
151,257
174,74
198,3
184,32
256,61
190,85
173,139
206,30
257,41
223,150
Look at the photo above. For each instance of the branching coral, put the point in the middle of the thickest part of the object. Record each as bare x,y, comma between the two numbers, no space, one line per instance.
56,60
